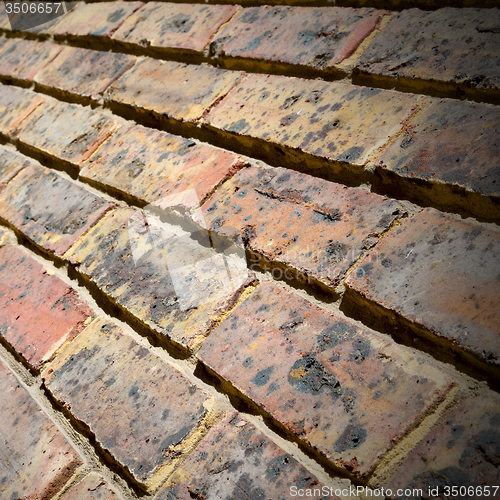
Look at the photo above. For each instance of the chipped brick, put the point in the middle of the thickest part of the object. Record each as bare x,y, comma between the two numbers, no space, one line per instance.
92,487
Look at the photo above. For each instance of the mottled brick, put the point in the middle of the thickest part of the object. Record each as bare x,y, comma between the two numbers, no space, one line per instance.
11,163
342,389
160,274
464,451
92,487
4,19
236,460
174,25
140,408
84,72
39,312
136,159
36,460
316,227
184,91
441,274
308,36
50,210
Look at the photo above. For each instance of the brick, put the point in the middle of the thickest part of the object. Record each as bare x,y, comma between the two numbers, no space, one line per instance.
39,22
459,46
176,26
67,132
39,311
50,210
100,20
136,158
11,163
92,487
84,72
332,120
236,460
159,274
23,59
441,274
342,389
4,19
307,36
141,409
36,460
185,91
5,236
463,451
316,227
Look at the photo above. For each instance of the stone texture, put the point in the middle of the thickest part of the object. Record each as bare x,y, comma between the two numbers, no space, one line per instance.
160,274
67,132
184,91
141,409
84,72
464,451
316,227
344,390
440,273
151,165
235,460
453,45
50,210
175,25
39,312
92,487
308,36
36,460
11,163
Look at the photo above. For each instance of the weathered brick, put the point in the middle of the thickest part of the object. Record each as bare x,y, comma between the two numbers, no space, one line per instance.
235,460
50,210
4,19
136,159
159,274
5,236
39,312
453,45
84,72
11,163
67,132
464,451
92,487
174,25
184,91
89,19
36,460
441,274
307,36
316,227
141,409
344,390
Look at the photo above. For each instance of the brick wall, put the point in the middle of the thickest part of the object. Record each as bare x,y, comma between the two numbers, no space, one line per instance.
250,251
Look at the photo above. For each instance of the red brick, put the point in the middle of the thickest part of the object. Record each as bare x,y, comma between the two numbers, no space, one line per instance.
39,312
50,210
140,408
36,460
84,72
441,274
235,460
184,91
464,451
307,36
136,159
174,25
11,163
92,487
342,389
316,227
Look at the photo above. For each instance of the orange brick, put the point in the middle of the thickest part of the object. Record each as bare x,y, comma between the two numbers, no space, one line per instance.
15,105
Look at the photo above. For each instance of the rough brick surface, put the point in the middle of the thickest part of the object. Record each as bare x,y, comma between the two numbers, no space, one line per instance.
11,163
92,487
174,25
316,227
150,165
342,389
84,72
36,460
49,209
184,91
159,274
15,105
441,274
139,407
235,460
317,37
39,312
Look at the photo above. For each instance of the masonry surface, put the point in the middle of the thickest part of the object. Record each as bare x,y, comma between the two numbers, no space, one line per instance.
251,251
